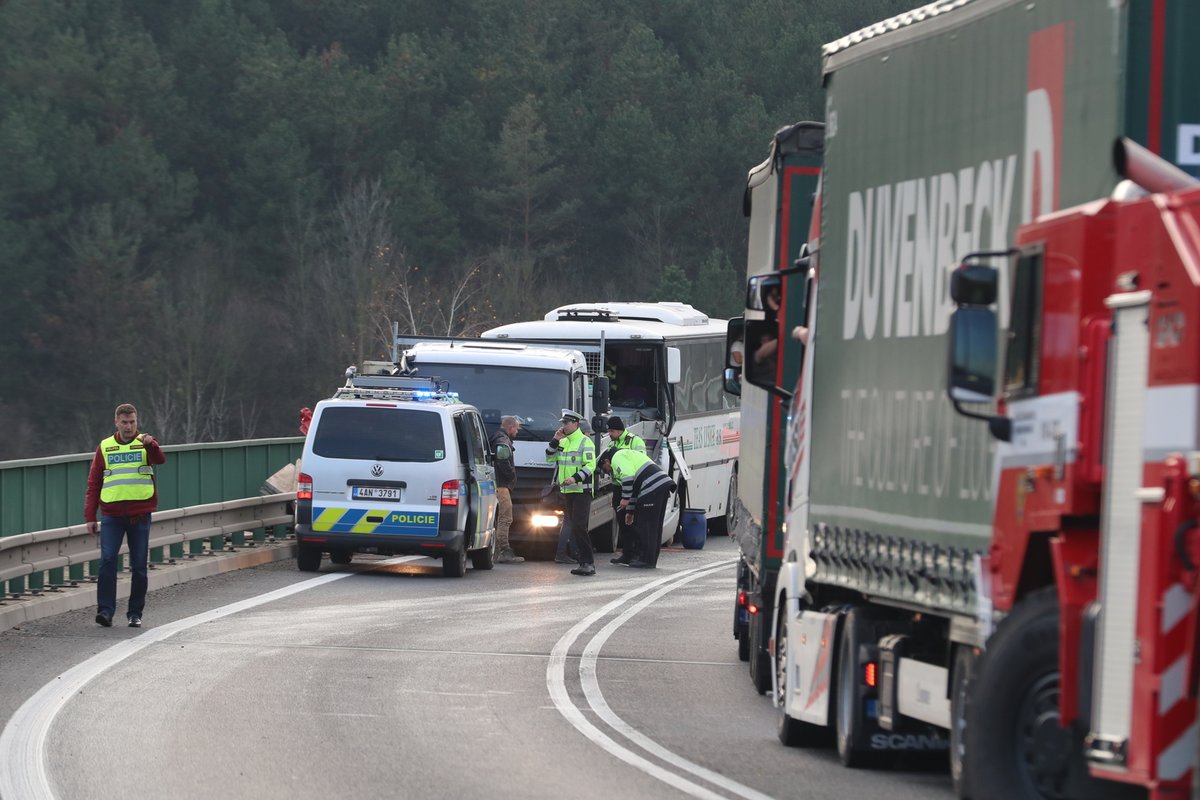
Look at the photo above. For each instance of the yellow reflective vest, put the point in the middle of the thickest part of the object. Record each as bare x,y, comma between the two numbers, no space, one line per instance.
627,441
127,471
575,457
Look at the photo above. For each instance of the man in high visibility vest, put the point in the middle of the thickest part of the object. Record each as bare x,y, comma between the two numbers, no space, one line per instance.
121,485
622,439
574,457
644,491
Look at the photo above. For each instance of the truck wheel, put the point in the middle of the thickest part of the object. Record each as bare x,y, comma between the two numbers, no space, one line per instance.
760,661
960,691
743,639
485,558
792,732
454,563
741,630
1017,749
308,558
342,557
848,699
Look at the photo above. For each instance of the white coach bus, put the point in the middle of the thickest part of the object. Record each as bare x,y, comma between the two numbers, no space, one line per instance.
665,363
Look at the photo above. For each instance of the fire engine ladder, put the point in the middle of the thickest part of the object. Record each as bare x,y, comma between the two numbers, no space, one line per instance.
1120,530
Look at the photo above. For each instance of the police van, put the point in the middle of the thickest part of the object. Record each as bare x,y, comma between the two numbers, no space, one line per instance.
396,465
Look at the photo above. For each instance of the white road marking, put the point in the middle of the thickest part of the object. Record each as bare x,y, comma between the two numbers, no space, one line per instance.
595,698
556,685
23,773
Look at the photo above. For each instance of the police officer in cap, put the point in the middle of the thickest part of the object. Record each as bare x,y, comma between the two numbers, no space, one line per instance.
573,456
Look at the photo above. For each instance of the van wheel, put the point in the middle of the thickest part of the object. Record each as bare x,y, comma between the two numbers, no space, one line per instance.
454,563
342,557
485,558
308,558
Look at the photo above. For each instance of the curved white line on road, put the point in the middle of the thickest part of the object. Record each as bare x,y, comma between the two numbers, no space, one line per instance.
23,773
557,686
595,698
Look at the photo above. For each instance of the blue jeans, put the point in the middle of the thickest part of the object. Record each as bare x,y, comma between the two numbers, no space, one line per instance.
136,530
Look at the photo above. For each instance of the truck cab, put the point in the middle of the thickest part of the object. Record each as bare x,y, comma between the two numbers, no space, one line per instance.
533,384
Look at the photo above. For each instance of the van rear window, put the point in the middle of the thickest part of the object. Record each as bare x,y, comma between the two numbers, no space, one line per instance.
380,434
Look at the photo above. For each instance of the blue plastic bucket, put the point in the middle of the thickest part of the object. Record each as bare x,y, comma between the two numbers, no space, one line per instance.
695,528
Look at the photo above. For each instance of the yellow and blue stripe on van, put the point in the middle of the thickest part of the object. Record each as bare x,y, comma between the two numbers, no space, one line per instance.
377,520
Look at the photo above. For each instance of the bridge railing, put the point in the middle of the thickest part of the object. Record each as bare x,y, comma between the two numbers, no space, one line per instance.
27,555
45,494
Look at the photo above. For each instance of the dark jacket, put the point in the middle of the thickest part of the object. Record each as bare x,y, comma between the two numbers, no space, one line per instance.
506,469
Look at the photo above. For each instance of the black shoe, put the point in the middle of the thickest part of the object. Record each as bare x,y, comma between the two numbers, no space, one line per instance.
584,569
565,560
104,620
621,560
637,563
135,621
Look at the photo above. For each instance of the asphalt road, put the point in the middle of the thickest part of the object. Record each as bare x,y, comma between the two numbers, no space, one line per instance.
388,680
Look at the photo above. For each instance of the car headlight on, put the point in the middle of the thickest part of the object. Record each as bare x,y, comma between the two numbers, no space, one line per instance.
544,520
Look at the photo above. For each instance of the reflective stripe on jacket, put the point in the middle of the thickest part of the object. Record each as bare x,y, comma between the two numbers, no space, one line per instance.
575,457
127,471
638,476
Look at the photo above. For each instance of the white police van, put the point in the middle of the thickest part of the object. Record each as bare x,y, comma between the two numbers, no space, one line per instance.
396,466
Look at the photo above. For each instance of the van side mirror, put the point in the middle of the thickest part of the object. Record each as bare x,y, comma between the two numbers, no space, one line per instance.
503,452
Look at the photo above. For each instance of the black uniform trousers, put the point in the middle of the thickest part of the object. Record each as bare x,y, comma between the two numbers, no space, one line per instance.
577,508
648,522
626,540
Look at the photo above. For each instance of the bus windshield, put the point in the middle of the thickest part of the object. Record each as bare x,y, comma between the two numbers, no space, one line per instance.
535,396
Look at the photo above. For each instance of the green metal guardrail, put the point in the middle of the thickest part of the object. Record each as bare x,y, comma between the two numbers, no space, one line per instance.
42,493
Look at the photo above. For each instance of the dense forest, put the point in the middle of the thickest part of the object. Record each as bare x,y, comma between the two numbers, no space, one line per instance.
210,207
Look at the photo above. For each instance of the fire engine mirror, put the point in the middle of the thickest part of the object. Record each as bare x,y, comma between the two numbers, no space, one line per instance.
972,368
973,284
